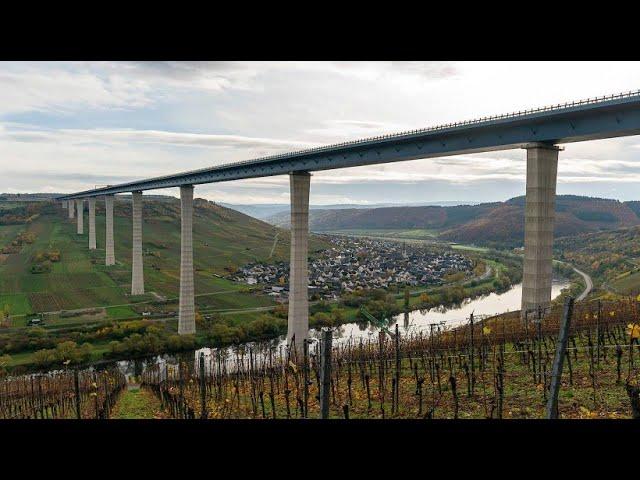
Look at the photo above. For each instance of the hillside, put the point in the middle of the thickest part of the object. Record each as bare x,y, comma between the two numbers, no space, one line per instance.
612,257
69,276
498,223
574,215
430,216
281,211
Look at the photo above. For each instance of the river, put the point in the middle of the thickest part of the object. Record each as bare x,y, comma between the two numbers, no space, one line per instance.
412,322
419,320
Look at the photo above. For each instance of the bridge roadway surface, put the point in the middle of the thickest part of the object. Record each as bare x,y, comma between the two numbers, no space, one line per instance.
604,117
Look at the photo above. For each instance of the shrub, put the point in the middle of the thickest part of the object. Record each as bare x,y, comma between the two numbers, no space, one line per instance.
221,334
265,326
337,316
44,358
281,311
320,320
67,351
321,306
44,267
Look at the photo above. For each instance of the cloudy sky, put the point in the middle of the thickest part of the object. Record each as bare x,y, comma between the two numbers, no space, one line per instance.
71,126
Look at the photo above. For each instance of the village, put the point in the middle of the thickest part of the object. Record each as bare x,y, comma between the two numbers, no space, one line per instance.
355,263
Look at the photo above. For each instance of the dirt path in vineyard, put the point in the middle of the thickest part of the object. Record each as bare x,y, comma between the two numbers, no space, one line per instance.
138,403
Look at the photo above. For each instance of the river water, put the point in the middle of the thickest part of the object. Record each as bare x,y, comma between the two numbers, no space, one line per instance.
412,322
419,320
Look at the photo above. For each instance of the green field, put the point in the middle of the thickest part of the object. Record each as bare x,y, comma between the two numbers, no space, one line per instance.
10,205
223,240
459,246
627,284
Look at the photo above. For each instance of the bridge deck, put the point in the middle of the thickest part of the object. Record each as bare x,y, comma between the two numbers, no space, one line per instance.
605,117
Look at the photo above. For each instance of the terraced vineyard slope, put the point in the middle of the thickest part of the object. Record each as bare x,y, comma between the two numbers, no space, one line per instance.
46,267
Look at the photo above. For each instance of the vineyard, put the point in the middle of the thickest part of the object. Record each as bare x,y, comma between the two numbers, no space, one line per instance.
59,395
498,368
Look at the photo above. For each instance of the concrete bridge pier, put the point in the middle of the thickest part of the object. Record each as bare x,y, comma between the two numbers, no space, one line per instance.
92,223
137,272
186,309
71,206
110,257
542,171
298,321
80,223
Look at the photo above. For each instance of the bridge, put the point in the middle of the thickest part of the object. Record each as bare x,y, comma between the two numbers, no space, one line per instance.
539,131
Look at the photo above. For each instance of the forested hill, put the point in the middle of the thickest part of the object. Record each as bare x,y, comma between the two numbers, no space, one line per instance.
498,223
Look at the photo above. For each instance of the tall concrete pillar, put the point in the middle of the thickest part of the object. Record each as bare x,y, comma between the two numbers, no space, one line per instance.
110,258
80,212
186,312
542,170
137,272
298,323
72,208
92,223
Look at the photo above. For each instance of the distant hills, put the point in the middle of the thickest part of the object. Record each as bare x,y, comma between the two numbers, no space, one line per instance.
27,197
496,223
40,197
273,210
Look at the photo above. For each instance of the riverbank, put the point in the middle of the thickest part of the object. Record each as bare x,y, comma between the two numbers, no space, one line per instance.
100,340
449,304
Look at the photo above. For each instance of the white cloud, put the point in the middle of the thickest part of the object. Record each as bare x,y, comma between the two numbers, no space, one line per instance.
346,129
117,121
29,87
130,136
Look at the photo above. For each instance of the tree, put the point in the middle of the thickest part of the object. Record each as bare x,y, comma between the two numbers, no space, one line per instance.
44,357
84,352
337,316
281,311
67,351
199,320
115,347
321,319
407,297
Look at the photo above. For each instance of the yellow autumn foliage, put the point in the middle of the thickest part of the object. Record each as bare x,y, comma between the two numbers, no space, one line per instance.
633,330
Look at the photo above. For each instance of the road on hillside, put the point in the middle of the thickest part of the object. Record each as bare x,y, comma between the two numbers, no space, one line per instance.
488,271
588,282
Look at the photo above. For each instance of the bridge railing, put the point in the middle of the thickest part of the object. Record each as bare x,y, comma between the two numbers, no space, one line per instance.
408,134
520,113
